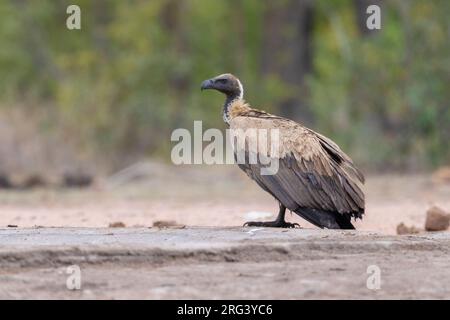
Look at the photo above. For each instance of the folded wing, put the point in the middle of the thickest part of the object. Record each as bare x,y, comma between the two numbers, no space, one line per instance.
313,172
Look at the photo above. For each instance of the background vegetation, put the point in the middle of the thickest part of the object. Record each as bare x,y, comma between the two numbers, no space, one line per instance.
113,92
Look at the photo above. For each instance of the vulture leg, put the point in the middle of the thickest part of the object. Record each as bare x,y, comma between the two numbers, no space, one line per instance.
278,223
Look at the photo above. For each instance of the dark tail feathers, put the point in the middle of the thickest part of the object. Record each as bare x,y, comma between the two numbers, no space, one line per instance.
325,219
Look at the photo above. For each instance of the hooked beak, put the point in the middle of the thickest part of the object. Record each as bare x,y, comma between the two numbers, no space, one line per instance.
207,84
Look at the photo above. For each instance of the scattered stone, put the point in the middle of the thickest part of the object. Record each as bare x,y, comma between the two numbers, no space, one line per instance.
403,229
161,224
437,219
117,224
12,225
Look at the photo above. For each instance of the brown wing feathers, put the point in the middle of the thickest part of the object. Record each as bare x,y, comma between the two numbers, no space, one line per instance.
315,178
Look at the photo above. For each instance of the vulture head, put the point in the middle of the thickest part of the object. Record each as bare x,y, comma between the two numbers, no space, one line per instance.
225,83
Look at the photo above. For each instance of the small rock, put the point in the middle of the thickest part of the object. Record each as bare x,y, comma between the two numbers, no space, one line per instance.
117,224
12,225
437,219
403,229
167,224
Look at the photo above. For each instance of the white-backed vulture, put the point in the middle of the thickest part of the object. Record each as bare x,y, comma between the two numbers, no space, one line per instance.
315,178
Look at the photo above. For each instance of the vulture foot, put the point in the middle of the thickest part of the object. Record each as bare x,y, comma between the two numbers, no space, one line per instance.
272,224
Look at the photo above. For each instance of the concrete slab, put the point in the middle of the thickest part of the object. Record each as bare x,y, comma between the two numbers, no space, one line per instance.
248,263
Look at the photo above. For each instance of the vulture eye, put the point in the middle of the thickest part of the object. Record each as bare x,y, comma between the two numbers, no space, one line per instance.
222,81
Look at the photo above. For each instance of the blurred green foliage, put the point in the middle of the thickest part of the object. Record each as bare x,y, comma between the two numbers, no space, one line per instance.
119,86
386,96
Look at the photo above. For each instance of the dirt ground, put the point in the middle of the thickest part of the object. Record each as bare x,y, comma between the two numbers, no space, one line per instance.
324,264
206,196
324,279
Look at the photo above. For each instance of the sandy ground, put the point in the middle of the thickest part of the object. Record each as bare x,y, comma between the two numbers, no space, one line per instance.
207,196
